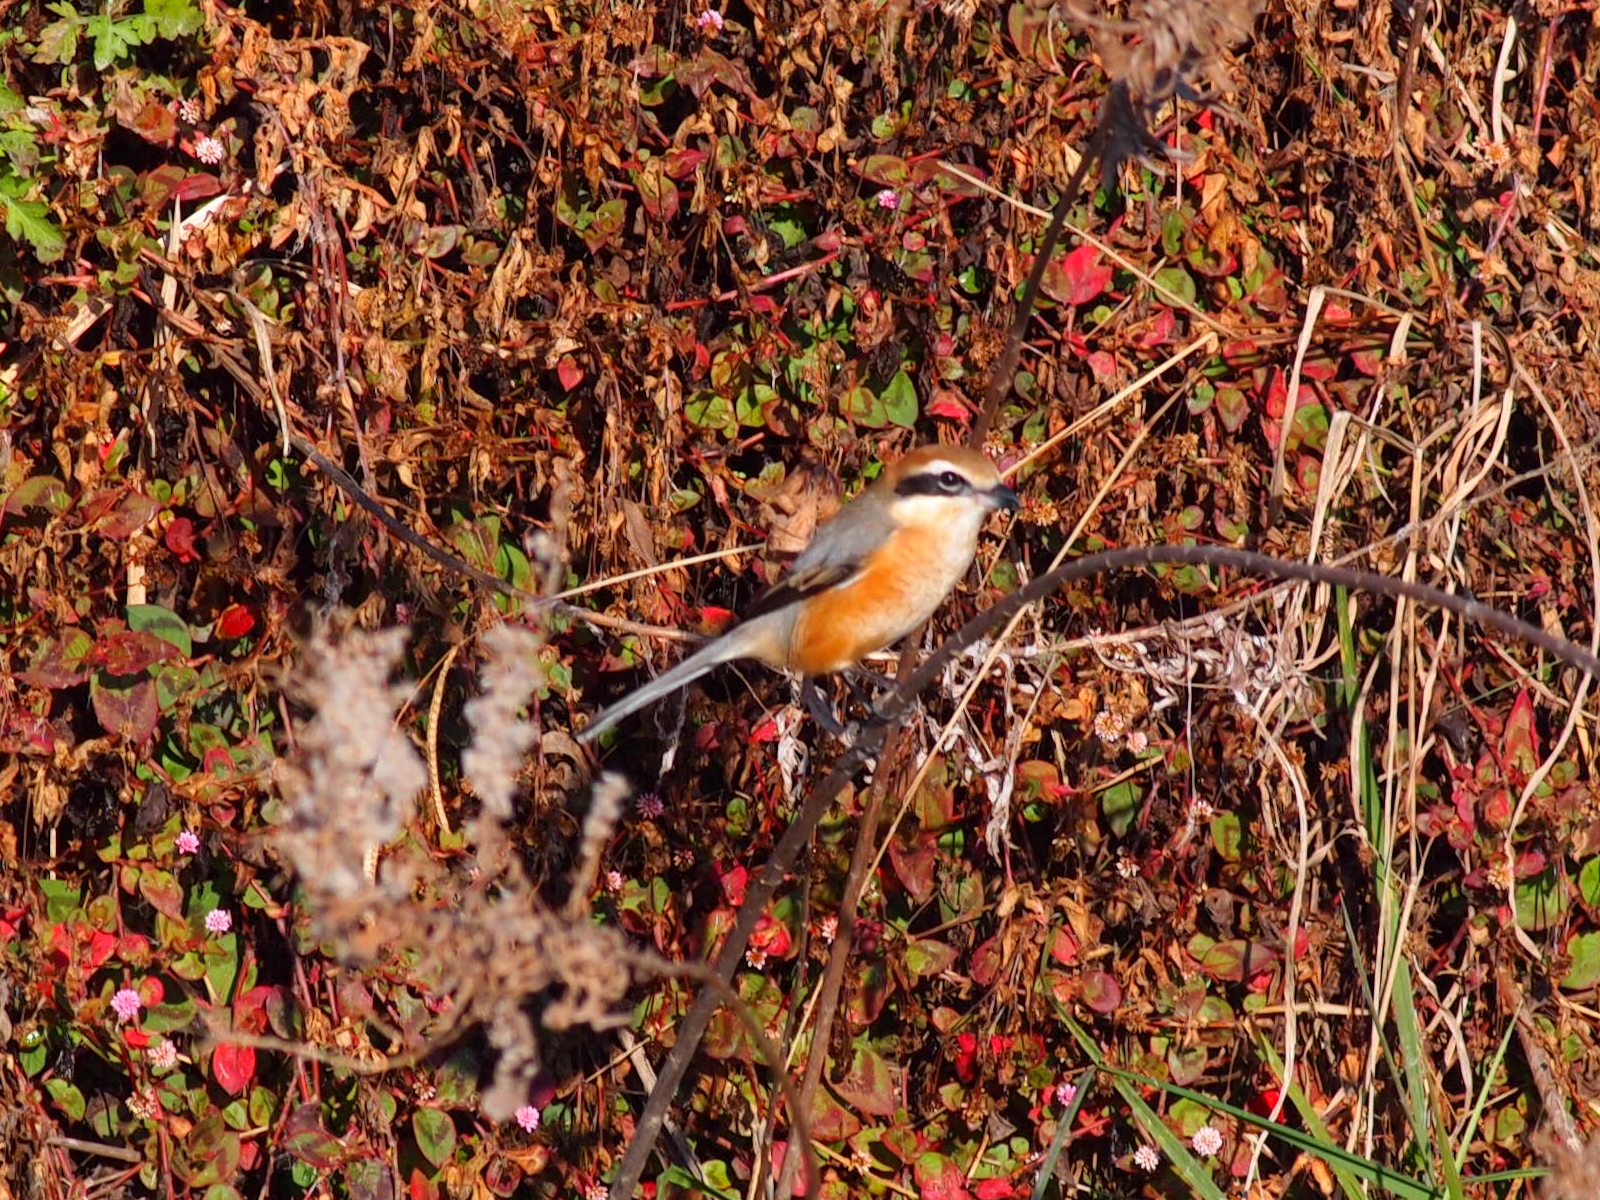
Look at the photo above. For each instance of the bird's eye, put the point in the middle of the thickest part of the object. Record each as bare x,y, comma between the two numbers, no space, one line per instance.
950,481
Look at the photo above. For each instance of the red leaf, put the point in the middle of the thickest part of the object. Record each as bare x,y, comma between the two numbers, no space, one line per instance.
154,123
162,890
914,865
733,883
130,712
179,539
1101,991
1103,363
99,948
129,651
250,1008
1273,395
993,1189
568,372
985,962
1064,947
304,1137
1077,276
235,621
780,1151
939,1178
771,936
1241,353
682,162
870,1084
1233,960
132,514
830,1120
134,948
1158,333
198,186
61,661
1520,745
948,404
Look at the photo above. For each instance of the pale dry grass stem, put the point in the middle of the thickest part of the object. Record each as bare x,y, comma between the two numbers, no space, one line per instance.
479,941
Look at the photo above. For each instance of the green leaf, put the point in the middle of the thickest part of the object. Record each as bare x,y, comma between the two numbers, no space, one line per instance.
173,18
862,407
708,410
1227,836
58,41
925,957
61,899
221,957
113,37
1584,952
67,1097
45,493
1541,901
212,1152
1174,284
887,169
899,398
435,1132
1589,882
163,892
1120,804
691,1186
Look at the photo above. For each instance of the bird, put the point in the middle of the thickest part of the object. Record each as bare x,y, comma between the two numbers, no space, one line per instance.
870,576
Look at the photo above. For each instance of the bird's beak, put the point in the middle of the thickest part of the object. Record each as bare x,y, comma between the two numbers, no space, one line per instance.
1000,496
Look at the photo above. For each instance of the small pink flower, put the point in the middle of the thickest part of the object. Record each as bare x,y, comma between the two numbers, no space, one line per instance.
829,929
596,1191
189,109
651,806
613,881
1065,1093
528,1118
126,1004
1147,1157
163,1055
1206,1141
709,22
188,843
888,198
219,920
210,150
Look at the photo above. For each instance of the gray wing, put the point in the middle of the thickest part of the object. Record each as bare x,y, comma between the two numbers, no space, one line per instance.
834,555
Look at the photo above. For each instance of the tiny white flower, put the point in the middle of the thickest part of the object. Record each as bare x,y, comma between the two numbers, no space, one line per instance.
1206,1141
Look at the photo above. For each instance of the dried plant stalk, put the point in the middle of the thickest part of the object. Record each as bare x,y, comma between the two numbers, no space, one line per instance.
481,937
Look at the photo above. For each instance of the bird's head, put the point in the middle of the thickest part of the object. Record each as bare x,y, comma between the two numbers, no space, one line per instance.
950,485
